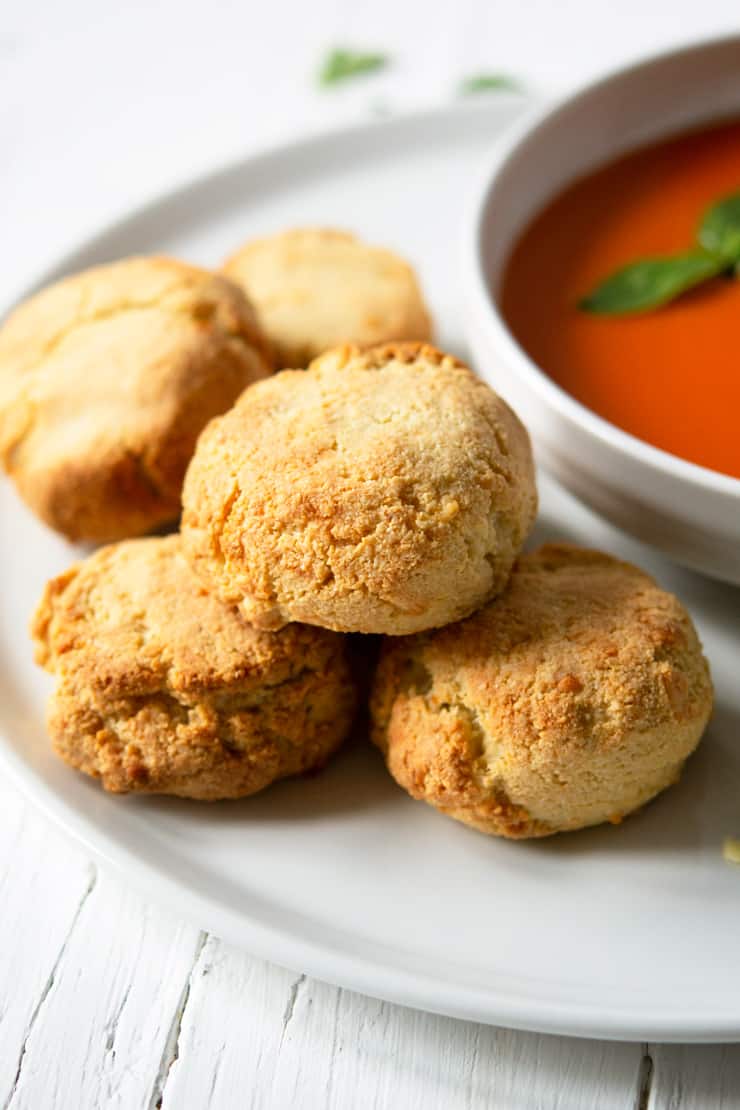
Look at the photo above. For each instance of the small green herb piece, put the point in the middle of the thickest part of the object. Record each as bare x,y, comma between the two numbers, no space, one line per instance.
653,282
719,230
341,65
488,82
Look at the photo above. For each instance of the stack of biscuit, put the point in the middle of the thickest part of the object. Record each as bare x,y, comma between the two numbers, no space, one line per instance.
383,489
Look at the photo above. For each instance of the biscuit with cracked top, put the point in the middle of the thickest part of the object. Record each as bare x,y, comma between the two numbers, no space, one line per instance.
315,288
164,690
572,699
386,490
106,379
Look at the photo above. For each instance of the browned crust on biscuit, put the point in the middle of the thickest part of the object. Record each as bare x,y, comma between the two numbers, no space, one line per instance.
572,699
106,380
161,689
316,288
406,351
381,491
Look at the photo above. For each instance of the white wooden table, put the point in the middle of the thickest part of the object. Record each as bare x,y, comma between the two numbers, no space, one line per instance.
107,1001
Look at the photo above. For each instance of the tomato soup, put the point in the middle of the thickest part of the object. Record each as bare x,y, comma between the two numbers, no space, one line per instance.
670,376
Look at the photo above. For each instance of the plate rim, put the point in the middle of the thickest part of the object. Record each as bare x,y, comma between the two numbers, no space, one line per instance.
363,973
282,944
198,178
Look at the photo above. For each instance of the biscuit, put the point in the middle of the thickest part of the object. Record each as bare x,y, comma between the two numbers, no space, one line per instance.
164,690
572,699
316,288
386,490
106,379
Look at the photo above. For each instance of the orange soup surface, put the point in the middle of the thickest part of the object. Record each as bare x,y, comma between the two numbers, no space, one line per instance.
670,376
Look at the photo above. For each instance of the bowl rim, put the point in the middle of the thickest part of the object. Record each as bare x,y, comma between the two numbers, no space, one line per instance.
488,312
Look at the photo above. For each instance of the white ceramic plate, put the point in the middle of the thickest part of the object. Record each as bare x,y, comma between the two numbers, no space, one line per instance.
629,932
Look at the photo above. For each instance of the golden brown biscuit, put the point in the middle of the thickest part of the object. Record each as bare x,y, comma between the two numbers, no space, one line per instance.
572,699
315,288
386,490
164,690
106,379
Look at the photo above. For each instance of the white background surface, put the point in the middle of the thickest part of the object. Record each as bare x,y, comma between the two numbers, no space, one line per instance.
105,1001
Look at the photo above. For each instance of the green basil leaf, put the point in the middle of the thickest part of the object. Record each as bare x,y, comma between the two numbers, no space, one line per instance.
488,82
719,230
653,282
340,65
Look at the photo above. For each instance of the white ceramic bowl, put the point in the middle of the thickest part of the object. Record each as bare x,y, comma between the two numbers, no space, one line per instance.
689,512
